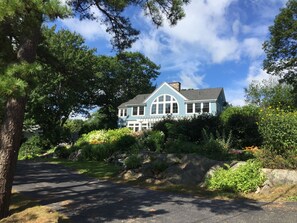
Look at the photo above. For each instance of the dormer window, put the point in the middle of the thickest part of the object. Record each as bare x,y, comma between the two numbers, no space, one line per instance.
164,104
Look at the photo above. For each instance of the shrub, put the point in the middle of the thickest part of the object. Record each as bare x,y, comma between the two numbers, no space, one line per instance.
97,152
158,166
242,122
271,160
245,178
153,140
215,147
279,130
179,146
125,142
61,151
133,161
188,129
103,136
31,148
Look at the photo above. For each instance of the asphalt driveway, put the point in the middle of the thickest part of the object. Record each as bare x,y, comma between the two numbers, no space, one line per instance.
85,199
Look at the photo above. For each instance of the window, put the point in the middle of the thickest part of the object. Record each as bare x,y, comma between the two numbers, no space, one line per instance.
190,108
206,107
174,108
138,110
197,107
122,112
154,109
160,110
141,110
134,110
164,104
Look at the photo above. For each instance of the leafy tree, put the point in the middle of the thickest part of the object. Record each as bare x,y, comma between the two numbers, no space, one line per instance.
20,32
123,77
67,83
281,48
270,93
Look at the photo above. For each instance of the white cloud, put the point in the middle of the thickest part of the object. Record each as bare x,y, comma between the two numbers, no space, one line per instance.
190,80
235,96
91,30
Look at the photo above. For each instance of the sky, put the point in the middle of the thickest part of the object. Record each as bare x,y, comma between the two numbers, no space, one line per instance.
217,44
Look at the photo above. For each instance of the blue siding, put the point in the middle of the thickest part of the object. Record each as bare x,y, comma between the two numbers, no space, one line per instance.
165,89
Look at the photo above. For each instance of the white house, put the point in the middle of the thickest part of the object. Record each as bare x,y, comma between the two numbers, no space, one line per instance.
169,99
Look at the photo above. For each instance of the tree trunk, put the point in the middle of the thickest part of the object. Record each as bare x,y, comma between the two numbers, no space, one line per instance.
12,124
10,138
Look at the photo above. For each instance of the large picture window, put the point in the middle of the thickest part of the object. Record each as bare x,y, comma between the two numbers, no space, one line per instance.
164,104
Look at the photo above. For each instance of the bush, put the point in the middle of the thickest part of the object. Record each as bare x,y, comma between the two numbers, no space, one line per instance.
153,140
31,148
215,147
125,142
188,129
97,152
242,122
279,131
61,151
158,166
245,178
133,161
103,136
271,160
179,146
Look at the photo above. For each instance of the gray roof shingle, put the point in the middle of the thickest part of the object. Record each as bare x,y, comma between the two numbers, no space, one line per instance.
202,94
191,94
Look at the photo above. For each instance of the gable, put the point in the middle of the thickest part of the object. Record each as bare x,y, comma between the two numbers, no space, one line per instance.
165,88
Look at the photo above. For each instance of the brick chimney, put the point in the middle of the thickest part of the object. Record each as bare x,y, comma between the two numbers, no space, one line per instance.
175,85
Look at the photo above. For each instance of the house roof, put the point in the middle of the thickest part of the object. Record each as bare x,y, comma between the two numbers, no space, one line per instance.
191,95
137,100
202,94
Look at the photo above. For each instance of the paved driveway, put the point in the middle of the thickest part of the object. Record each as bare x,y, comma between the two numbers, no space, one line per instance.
85,199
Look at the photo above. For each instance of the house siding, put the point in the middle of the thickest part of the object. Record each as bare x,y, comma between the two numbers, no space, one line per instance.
139,122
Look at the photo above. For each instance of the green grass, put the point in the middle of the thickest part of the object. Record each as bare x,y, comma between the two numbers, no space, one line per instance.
96,169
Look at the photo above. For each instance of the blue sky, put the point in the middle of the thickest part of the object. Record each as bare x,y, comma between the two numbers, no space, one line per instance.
217,44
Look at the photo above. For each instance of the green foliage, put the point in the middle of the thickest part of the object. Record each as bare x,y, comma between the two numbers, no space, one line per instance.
188,129
180,146
31,148
71,130
279,130
242,122
153,140
62,151
245,178
96,152
270,93
281,47
158,166
271,160
103,136
125,143
133,161
66,83
118,26
215,147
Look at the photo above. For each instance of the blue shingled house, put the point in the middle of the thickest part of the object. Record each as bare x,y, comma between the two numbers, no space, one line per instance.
144,110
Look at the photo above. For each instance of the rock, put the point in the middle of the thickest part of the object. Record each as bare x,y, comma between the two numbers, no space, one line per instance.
280,176
236,164
75,156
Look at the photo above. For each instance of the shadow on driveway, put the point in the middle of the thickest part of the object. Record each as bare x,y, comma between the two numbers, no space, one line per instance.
85,199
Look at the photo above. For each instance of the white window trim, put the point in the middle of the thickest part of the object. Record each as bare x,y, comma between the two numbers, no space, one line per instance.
201,107
138,108
164,102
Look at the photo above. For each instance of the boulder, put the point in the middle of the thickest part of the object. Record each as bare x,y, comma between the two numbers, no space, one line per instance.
280,176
